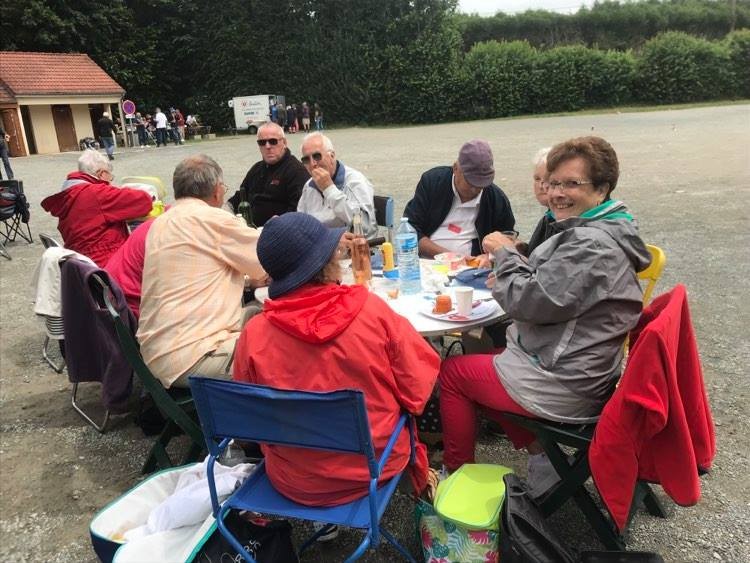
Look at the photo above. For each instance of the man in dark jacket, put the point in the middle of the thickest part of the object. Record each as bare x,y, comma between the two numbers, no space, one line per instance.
274,184
454,208
106,128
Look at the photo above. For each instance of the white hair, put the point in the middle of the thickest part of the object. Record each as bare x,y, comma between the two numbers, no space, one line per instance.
541,156
91,162
327,144
274,126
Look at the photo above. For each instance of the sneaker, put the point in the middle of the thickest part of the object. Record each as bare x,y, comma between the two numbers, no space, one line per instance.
541,475
332,533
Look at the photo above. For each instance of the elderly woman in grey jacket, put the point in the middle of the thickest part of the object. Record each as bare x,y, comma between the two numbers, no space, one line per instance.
573,302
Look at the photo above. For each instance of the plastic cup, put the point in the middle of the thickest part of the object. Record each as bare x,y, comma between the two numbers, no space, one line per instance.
386,288
464,299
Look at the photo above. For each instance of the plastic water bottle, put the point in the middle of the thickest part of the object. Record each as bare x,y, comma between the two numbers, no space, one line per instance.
408,258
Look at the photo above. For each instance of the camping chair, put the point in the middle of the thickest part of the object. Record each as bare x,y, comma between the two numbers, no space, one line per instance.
335,421
383,218
14,213
175,405
53,326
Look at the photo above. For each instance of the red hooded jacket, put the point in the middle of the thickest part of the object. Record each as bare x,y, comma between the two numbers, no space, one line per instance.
657,426
92,213
329,337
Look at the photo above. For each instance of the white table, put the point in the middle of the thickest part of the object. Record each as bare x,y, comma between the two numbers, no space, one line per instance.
410,307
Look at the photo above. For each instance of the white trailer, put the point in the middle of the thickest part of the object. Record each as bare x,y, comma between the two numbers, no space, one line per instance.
250,112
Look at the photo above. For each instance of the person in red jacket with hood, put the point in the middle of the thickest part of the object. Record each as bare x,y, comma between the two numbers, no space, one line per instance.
91,212
317,335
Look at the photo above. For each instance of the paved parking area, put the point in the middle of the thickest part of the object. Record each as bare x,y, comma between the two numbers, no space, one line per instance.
685,175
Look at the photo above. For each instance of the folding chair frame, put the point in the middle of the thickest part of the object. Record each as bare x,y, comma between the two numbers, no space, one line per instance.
203,388
573,477
101,428
176,405
12,227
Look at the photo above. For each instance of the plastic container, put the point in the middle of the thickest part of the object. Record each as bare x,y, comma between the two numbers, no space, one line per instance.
472,496
408,258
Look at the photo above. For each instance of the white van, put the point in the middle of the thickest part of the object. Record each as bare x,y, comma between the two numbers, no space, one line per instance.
250,112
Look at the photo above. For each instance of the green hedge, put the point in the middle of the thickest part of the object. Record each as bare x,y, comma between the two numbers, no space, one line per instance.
513,78
738,45
676,67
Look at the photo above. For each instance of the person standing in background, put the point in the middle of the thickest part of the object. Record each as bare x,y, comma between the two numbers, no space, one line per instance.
161,128
106,129
4,140
318,117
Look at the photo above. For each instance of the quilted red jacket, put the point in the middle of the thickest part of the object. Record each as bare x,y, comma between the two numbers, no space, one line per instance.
657,426
92,213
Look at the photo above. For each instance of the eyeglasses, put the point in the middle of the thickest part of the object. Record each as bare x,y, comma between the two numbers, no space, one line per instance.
566,185
316,156
272,142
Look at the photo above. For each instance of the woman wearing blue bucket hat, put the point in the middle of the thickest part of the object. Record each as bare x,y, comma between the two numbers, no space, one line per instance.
317,335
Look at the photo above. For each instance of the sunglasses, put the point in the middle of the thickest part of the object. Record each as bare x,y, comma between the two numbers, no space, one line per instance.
272,142
316,156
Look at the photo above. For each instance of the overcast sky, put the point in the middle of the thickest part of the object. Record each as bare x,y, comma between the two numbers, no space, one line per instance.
490,7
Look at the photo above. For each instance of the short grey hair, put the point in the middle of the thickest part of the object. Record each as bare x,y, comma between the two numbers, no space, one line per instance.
541,156
91,162
327,144
196,176
271,125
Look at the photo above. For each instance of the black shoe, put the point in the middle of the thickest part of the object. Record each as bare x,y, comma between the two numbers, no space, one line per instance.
111,157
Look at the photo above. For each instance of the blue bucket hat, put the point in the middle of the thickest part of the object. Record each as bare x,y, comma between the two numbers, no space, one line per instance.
293,248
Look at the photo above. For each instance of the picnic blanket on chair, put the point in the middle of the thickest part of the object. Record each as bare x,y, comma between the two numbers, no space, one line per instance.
92,350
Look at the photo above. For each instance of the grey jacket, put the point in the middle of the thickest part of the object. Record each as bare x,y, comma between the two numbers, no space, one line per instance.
573,303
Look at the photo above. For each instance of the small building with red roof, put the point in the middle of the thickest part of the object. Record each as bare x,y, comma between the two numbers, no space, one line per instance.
49,101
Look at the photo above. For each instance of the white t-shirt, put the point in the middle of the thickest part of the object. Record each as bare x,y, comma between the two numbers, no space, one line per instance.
458,229
161,120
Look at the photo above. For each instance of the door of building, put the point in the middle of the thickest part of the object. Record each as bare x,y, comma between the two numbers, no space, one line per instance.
66,131
9,118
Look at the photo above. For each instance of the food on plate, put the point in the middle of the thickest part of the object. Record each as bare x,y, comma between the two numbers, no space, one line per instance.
472,261
443,304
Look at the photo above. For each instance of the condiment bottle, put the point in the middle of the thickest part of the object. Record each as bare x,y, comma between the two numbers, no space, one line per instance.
360,253
387,250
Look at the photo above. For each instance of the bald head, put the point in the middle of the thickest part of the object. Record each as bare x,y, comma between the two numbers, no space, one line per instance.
271,143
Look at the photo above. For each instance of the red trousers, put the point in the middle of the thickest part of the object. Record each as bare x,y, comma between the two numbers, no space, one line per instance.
468,382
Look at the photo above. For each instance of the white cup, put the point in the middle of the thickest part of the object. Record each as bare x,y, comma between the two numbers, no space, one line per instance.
464,299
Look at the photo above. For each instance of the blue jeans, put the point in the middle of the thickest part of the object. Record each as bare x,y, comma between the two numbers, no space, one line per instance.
109,145
161,137
142,138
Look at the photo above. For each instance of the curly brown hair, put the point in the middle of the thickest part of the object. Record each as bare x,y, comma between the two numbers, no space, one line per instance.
604,168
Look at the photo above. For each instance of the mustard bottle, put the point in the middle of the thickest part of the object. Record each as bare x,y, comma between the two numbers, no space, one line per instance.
387,250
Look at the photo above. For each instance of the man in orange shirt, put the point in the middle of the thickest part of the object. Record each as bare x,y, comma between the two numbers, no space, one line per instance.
197,259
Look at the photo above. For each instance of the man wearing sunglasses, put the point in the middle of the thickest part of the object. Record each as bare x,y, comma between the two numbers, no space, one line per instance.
334,192
454,208
274,184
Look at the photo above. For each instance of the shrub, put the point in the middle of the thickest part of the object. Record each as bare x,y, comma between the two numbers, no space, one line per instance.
738,45
499,77
675,67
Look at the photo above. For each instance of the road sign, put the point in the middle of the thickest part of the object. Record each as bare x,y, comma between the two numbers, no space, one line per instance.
128,106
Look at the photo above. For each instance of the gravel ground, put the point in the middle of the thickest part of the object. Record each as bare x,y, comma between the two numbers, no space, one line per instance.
685,175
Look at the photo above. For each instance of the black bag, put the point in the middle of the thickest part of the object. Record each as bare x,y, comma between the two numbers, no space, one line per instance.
268,541
525,536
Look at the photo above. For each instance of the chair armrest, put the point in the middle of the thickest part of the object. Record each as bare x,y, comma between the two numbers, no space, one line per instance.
210,474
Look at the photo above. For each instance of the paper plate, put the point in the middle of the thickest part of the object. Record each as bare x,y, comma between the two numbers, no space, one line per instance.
480,311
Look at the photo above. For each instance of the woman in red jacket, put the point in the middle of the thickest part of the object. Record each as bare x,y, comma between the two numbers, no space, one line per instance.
92,213
317,335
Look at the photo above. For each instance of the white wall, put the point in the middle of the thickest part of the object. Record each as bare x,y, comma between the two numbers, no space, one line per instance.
44,129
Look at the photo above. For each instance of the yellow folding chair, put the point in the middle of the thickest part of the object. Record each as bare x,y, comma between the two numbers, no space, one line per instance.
149,181
652,274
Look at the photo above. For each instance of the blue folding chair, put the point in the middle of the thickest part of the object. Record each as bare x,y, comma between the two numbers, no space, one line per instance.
335,421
